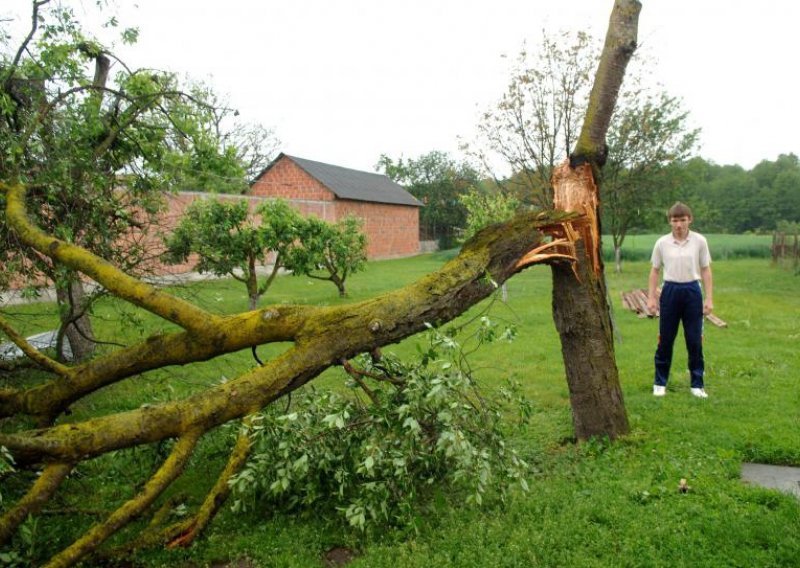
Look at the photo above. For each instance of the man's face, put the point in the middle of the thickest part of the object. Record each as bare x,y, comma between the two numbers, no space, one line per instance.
680,226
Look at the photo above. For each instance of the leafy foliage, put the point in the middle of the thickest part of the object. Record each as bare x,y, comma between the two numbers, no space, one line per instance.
647,137
98,144
438,181
228,241
746,200
484,209
329,251
423,423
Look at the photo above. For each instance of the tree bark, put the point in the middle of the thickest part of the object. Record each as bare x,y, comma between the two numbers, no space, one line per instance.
580,304
75,321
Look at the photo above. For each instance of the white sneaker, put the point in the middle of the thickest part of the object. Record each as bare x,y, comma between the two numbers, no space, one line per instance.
700,393
658,390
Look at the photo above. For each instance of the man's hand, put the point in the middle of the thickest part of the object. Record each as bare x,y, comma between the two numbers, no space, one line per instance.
708,307
651,306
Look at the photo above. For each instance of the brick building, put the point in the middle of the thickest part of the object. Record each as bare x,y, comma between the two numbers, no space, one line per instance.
389,212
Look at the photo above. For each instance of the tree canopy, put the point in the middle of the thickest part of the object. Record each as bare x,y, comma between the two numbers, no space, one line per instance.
438,181
230,240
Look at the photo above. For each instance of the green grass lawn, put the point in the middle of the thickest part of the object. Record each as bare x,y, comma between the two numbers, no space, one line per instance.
589,504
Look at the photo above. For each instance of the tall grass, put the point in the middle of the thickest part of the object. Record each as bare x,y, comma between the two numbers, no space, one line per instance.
590,504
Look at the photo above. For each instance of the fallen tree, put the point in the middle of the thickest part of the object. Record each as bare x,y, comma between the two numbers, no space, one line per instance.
320,337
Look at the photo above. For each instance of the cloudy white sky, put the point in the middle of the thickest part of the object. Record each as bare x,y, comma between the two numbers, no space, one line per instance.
342,81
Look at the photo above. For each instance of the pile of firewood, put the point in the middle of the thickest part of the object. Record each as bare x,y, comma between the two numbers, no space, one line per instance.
636,301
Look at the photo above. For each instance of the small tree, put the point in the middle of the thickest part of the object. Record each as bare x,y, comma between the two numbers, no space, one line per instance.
229,242
648,135
330,251
535,124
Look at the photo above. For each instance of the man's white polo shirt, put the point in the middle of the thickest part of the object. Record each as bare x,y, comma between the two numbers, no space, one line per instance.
682,260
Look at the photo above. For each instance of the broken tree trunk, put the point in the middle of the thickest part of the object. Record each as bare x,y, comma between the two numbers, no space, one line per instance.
580,300
582,318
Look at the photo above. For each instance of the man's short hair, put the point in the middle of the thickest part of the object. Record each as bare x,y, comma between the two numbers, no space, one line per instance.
679,210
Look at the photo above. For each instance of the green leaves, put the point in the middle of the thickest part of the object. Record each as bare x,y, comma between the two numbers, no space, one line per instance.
229,239
329,251
374,462
484,208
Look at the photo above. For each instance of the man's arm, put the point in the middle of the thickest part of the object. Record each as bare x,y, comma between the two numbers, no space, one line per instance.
708,289
652,285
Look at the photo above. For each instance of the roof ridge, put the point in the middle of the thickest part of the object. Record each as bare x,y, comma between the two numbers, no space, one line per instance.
351,184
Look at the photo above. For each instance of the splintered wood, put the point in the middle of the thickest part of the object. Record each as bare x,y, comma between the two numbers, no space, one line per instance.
636,301
574,190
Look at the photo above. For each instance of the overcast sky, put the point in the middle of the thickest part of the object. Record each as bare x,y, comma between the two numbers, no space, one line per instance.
343,81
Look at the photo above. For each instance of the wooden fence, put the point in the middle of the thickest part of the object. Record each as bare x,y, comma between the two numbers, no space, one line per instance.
786,247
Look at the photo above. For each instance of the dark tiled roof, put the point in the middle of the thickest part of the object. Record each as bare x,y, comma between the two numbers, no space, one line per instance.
353,184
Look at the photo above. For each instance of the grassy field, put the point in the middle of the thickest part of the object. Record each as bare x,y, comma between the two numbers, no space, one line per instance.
724,247
590,504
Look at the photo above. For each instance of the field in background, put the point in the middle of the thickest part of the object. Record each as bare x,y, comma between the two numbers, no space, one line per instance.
639,247
590,504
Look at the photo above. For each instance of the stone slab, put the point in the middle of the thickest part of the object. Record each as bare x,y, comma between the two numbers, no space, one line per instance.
782,478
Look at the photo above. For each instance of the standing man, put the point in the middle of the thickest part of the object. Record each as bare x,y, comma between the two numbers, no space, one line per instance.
686,261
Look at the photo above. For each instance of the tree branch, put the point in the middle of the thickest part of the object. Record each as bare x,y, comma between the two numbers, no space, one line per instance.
41,491
139,293
98,534
323,337
618,49
24,45
32,353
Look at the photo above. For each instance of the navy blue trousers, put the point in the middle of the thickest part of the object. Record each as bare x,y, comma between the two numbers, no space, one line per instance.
680,303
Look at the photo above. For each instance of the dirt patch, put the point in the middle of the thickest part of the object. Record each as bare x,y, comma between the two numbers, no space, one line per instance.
339,556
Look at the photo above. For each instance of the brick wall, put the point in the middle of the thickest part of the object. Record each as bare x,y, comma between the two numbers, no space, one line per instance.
287,180
392,230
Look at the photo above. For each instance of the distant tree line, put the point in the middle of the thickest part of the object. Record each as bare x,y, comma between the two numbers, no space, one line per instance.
724,198
731,199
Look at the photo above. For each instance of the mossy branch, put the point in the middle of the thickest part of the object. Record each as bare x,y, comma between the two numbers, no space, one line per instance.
146,296
226,335
323,337
45,486
32,353
166,474
189,530
618,49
